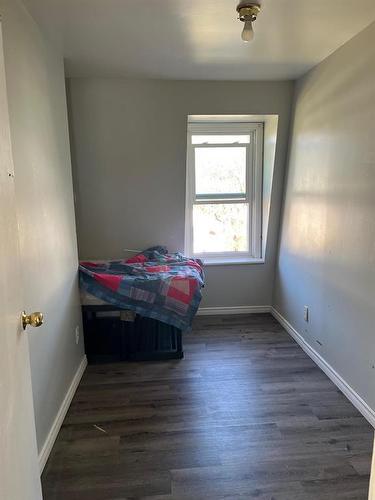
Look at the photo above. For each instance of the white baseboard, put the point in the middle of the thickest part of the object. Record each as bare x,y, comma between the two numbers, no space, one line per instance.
212,311
344,387
52,435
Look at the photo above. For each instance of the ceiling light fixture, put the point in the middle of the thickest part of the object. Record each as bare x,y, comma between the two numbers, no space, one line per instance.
247,13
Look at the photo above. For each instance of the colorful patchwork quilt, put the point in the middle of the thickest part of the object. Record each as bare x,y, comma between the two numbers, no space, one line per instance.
154,283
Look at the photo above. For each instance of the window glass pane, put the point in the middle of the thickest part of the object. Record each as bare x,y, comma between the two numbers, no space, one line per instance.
220,139
220,170
221,227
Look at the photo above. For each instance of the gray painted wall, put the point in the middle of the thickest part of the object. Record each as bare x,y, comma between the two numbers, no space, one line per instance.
37,106
327,246
129,157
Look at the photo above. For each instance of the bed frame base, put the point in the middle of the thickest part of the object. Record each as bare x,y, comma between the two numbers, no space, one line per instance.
109,338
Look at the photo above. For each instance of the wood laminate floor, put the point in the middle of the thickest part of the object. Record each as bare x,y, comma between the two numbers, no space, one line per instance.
246,415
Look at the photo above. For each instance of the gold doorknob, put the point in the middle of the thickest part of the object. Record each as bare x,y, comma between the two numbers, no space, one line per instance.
34,319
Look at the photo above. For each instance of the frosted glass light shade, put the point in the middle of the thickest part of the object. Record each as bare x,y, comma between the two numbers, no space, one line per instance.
248,32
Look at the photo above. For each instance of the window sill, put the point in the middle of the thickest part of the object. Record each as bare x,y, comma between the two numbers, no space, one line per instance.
231,262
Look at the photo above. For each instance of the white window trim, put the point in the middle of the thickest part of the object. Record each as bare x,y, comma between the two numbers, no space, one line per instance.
253,195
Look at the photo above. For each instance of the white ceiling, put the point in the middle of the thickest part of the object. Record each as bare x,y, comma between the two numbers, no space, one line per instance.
198,39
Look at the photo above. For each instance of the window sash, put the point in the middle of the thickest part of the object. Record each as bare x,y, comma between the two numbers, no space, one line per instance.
214,196
220,198
235,143
253,195
222,128
232,253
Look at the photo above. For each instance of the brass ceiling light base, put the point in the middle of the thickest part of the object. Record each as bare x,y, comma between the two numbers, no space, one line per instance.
248,11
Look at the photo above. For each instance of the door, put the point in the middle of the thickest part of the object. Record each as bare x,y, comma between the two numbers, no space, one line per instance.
19,470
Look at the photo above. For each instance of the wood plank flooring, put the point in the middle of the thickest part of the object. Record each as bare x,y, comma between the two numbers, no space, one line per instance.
246,415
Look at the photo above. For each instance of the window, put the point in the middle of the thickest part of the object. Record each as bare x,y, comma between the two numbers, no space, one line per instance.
224,192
